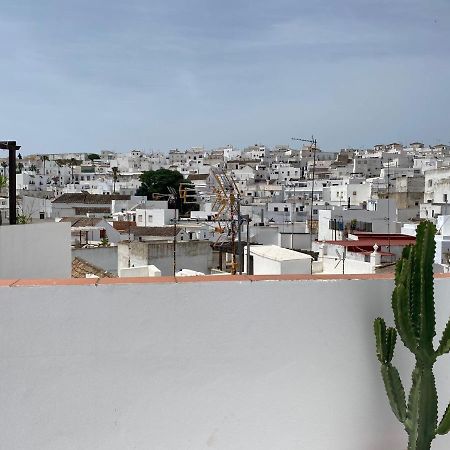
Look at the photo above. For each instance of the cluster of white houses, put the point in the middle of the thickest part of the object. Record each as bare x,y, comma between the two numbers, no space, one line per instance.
305,210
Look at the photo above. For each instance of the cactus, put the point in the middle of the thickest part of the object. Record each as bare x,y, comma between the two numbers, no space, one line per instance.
414,316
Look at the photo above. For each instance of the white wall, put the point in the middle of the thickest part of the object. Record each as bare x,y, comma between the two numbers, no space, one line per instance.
142,271
33,206
225,365
300,240
263,265
103,257
194,255
332,264
154,217
40,250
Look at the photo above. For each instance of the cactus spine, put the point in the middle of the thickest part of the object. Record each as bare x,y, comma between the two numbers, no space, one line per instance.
414,316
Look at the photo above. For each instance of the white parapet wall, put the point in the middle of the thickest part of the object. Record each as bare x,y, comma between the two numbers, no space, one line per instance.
37,250
140,271
228,365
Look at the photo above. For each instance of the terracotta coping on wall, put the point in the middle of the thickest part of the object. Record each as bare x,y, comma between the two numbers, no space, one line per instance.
194,279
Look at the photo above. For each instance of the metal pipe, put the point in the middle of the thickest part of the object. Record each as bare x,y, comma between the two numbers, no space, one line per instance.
12,184
314,143
248,245
239,220
12,147
175,241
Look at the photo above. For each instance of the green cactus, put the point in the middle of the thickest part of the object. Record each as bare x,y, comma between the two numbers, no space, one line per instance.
414,316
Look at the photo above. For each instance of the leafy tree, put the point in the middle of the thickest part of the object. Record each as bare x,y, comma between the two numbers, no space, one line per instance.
3,181
159,181
115,173
43,159
104,242
93,156
23,219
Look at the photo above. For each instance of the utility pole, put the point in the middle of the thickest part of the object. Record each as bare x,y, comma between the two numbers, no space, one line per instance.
313,143
175,241
293,204
239,221
388,207
12,147
248,244
173,197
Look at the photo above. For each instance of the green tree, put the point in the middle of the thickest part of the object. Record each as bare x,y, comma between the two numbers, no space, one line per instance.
72,162
115,173
3,181
159,181
43,159
92,157
23,219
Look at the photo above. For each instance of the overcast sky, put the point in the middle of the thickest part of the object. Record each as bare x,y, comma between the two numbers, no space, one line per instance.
87,75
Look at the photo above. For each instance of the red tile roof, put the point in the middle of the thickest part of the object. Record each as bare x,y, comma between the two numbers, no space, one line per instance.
372,242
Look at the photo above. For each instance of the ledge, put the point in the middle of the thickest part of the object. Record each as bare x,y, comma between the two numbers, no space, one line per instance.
195,279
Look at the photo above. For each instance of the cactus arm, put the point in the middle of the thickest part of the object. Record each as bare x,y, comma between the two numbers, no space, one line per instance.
444,344
426,248
391,339
394,390
400,307
379,327
413,407
413,284
385,340
421,420
444,425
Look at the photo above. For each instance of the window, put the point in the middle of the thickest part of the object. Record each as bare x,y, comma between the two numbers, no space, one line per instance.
354,192
286,209
430,183
275,208
139,217
445,198
149,218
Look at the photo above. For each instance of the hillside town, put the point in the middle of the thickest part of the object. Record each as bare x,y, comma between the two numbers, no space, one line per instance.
257,210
